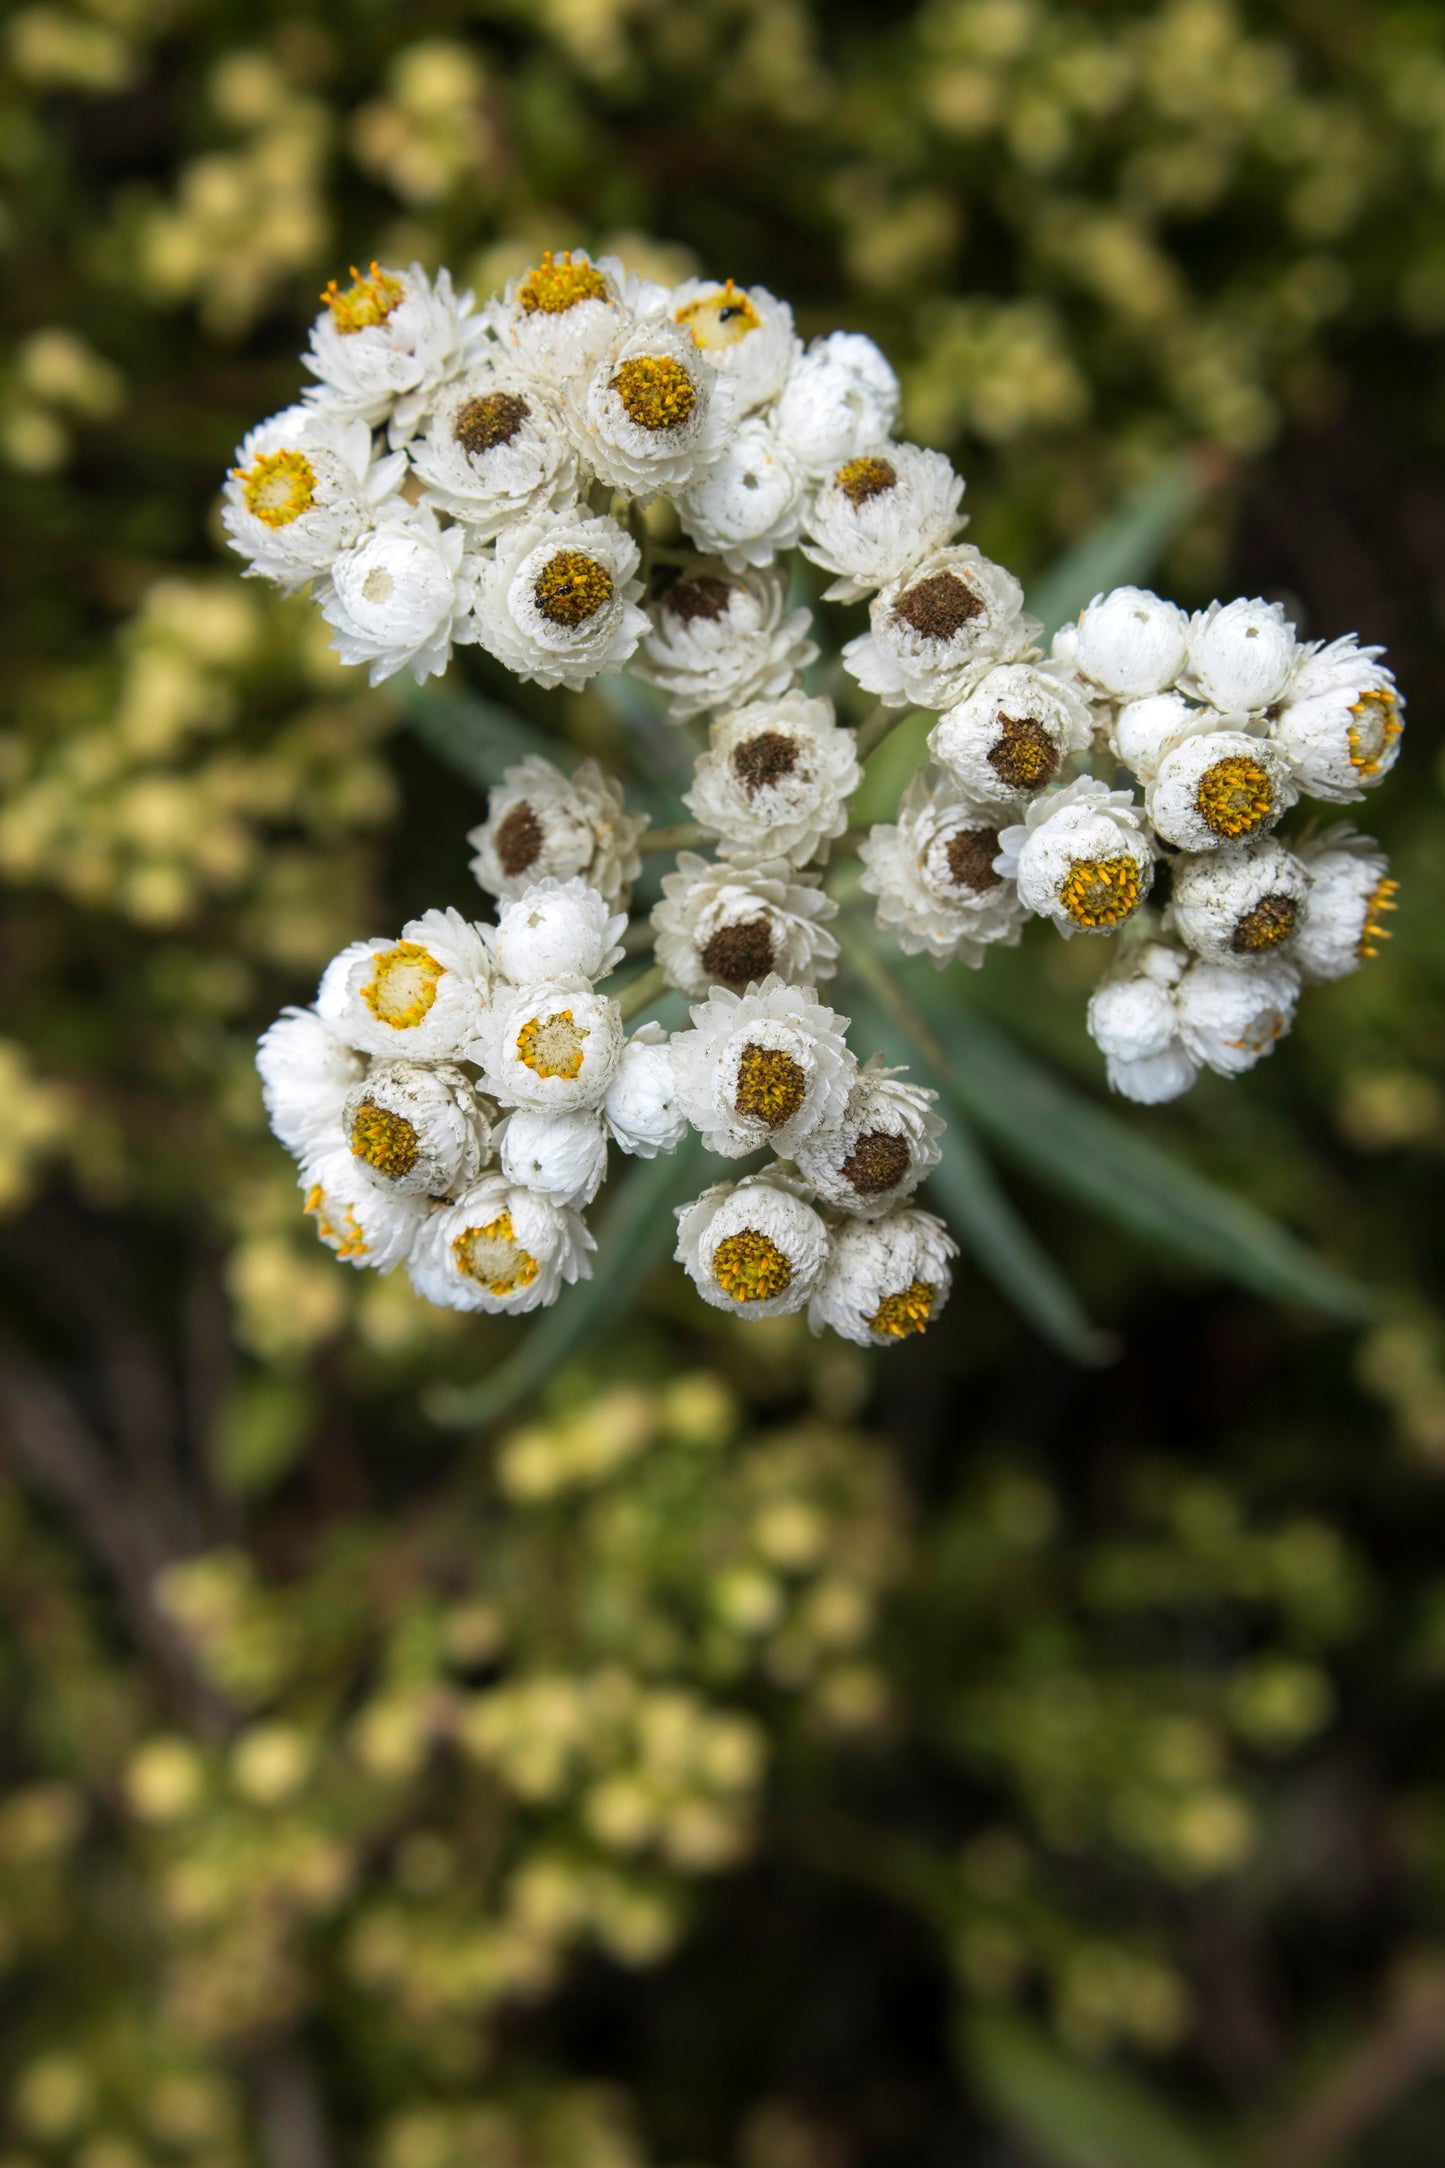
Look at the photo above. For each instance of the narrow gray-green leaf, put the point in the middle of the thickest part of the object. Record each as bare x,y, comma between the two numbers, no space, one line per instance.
1078,2115
474,737
1125,546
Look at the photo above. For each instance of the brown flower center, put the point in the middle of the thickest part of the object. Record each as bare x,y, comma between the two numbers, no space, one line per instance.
877,1162
1272,920
489,420
1024,756
740,953
571,587
519,840
771,1085
970,853
703,595
860,479
760,762
938,607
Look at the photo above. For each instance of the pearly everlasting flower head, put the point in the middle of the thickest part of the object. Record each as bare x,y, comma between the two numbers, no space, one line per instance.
738,921
934,873
400,596
1242,656
1230,1019
1351,894
562,1157
1144,731
556,601
841,396
556,929
641,1108
1133,1021
878,1153
499,1247
361,1224
554,1045
420,998
655,414
876,513
885,1279
1129,643
937,628
776,778
496,451
540,824
754,1247
751,501
1081,857
743,332
558,319
1217,787
1242,905
720,640
415,1129
1341,724
306,486
1013,734
763,1068
306,1071
380,344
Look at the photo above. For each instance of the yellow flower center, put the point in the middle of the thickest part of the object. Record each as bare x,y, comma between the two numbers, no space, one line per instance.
557,284
384,1140
860,479
906,1312
552,1045
720,320
749,1267
771,1085
1382,898
1376,731
369,301
278,487
571,587
1101,891
1024,755
657,391
494,1258
335,1226
1234,796
403,985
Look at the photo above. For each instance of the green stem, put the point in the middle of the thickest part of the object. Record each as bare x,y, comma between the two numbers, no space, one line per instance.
875,728
681,836
641,992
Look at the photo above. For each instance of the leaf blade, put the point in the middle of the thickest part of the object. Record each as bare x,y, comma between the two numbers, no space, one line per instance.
1124,547
1074,2114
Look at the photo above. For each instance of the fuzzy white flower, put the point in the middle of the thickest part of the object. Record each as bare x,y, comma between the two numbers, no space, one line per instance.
420,998
1143,731
400,596
933,873
743,332
720,639
733,923
1130,643
936,629
755,1247
1350,893
1341,725
563,1157
554,1045
840,397
776,778
654,415
364,1226
1008,740
496,451
1230,1019
540,824
1219,786
557,601
304,488
885,1278
1133,1021
876,513
416,1130
765,1067
1080,857
751,501
499,1248
1241,655
641,1109
880,1151
556,929
382,346
1240,905
558,319
306,1072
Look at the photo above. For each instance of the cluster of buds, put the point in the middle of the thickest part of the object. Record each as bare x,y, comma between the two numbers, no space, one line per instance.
593,471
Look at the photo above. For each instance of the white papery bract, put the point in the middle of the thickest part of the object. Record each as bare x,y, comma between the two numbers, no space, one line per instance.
876,514
751,501
936,629
1230,1019
361,1224
880,1151
1217,787
654,415
1241,655
735,922
563,1157
1133,1021
1242,905
558,319
554,1045
500,1247
641,1109
305,486
933,873
1340,727
1350,893
556,929
419,998
1008,740
416,1129
755,1247
1080,857
743,332
542,823
721,639
885,1278
840,397
379,346
496,451
776,778
400,596
766,1067
1129,643
1145,730
556,602
306,1071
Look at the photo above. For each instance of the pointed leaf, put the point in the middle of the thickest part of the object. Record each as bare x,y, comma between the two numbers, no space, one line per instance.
1073,2114
1123,549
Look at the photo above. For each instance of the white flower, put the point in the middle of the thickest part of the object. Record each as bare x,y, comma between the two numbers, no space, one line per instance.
1218,786
641,1109
364,1226
499,1248
1241,655
840,397
496,451
1145,730
1350,892
937,628
306,1072
933,873
1231,1019
401,595
654,415
1010,737
563,1157
776,778
876,513
753,1246
1239,905
556,929
743,332
1133,1021
765,1067
733,923
304,487
1080,857
381,347
881,1149
1341,726
558,320
420,998
540,824
719,639
554,1045
885,1278
557,601
751,501
1130,643
416,1130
